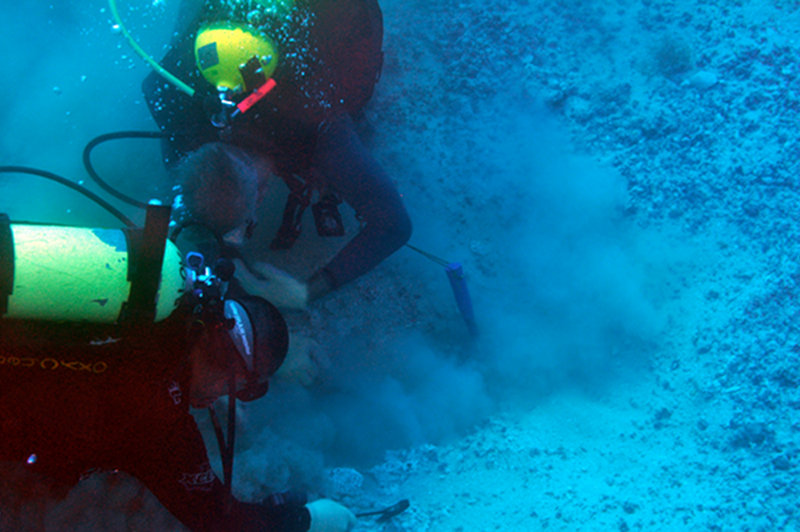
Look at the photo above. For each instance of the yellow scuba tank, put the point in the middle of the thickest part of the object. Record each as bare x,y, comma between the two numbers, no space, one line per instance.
75,274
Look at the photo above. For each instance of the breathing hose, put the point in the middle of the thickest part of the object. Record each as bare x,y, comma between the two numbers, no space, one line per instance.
87,161
112,4
74,186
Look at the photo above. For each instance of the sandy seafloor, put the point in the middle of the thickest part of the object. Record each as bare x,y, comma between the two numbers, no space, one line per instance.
619,180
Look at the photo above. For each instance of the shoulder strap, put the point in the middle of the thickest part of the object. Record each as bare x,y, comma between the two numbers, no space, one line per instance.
6,262
145,265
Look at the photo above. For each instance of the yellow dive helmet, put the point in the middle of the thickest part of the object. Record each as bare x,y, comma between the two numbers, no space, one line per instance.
235,57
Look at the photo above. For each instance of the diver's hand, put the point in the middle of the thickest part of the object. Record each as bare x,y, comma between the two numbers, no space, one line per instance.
329,516
273,284
304,362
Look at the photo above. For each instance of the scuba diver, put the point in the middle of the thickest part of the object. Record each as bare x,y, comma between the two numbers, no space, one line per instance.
272,89
107,337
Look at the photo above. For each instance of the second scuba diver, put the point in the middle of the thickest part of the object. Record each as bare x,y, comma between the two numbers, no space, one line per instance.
93,377
276,86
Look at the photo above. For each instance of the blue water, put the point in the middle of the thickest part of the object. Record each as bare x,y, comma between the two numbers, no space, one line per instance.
619,181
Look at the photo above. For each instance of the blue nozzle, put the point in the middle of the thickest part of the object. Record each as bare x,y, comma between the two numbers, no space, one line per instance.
455,273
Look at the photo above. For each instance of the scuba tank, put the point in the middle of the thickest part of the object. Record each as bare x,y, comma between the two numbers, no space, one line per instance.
75,274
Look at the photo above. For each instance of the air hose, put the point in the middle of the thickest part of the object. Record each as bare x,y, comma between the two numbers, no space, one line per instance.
87,161
387,513
74,186
112,4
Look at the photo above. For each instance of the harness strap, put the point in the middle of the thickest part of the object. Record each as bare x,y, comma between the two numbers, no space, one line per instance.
6,262
145,262
296,203
327,218
226,446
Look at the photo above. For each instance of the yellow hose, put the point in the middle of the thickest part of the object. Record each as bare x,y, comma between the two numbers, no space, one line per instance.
158,68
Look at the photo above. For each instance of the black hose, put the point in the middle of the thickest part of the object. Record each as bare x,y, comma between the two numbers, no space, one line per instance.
87,163
87,160
388,513
74,186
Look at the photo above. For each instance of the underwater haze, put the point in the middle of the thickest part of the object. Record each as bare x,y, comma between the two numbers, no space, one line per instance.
619,181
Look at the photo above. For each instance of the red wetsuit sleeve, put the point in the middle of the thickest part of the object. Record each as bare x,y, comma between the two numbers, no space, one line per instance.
176,469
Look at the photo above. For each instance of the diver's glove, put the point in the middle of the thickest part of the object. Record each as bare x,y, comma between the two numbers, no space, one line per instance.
329,516
273,284
319,285
304,362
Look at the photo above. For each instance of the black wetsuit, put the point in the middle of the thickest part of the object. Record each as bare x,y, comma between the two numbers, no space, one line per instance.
70,407
305,123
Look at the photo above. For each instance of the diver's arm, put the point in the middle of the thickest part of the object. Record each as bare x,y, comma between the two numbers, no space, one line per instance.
352,171
175,468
